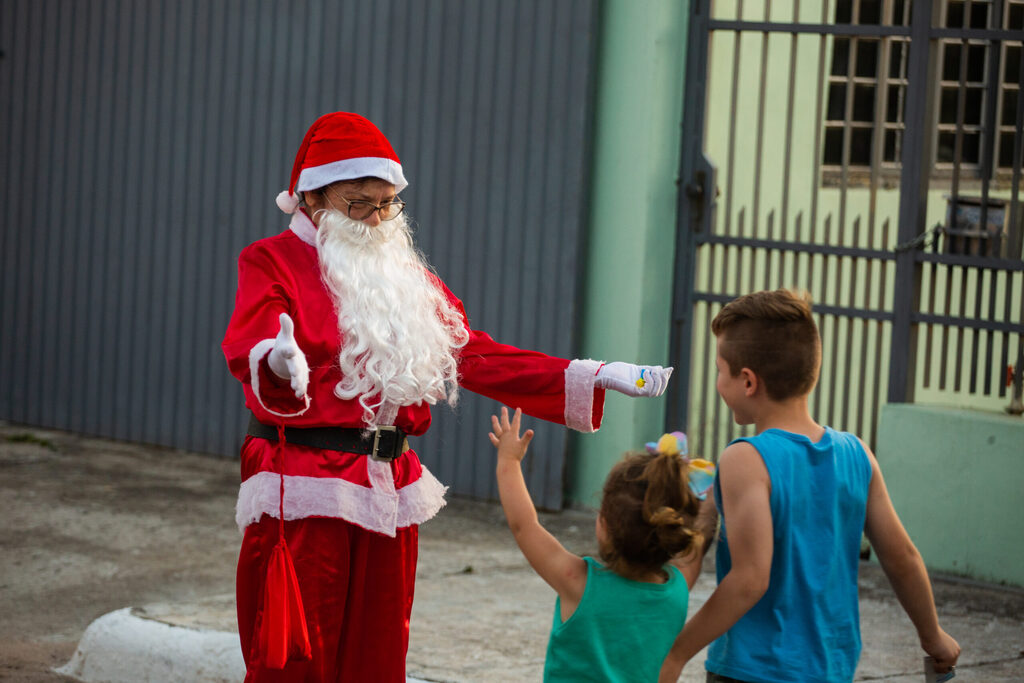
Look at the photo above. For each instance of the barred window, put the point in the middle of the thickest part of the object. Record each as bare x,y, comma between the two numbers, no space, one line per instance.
867,88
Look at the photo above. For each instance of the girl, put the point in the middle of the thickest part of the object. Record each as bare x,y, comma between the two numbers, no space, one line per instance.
616,619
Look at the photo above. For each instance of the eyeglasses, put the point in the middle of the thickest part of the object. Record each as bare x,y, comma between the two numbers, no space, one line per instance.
360,209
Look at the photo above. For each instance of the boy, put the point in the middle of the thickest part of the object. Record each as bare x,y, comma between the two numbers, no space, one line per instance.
794,500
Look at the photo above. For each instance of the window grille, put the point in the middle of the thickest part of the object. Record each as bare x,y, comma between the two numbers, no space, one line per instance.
867,85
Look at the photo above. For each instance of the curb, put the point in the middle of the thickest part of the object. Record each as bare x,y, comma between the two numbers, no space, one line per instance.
123,647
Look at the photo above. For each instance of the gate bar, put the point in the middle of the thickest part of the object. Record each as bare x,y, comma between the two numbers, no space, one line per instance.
841,30
914,184
694,195
872,30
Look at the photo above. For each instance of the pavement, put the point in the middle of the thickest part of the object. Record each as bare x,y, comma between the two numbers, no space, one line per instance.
118,559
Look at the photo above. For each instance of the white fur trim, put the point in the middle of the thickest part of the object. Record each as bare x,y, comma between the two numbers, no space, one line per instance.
303,227
287,202
255,356
579,394
374,509
380,476
420,500
314,177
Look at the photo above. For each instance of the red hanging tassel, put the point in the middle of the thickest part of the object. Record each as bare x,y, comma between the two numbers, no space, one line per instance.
283,632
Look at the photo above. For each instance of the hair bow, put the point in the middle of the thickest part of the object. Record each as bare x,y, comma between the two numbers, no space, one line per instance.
701,472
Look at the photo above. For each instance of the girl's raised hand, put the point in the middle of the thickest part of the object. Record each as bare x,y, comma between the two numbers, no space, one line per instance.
505,436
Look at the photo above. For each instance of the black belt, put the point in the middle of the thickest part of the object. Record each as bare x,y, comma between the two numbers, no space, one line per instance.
384,443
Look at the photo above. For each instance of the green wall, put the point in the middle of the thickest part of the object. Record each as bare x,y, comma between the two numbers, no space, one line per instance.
630,252
956,480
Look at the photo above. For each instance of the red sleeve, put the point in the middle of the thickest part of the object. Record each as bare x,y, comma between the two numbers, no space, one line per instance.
264,292
553,389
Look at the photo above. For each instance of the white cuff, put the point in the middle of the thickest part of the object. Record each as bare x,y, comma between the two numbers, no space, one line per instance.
580,377
255,356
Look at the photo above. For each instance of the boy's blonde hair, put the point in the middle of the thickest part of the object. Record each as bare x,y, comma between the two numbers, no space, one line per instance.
649,513
774,335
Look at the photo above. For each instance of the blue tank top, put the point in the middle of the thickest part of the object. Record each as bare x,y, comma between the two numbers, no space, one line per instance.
806,627
620,632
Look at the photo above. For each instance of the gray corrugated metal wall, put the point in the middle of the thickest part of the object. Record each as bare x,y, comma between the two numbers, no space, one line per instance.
142,145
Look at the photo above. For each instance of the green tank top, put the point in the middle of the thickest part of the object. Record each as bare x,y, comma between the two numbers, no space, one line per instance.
621,630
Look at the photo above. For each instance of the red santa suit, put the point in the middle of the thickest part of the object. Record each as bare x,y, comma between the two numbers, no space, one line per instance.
356,575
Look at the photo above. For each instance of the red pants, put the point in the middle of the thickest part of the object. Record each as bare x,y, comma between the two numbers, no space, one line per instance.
357,589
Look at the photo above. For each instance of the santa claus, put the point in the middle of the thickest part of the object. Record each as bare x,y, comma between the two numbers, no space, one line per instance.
343,337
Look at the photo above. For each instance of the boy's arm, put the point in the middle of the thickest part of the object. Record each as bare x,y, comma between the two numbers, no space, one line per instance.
905,570
707,524
746,491
562,570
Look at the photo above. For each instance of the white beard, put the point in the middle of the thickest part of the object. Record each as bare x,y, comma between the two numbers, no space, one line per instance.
400,336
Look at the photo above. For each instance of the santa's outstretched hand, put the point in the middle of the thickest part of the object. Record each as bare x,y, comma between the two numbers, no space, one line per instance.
633,380
286,358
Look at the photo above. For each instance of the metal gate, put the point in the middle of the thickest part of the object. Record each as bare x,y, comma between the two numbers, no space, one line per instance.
868,151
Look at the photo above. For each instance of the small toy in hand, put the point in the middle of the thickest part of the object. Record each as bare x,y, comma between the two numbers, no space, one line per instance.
701,471
932,676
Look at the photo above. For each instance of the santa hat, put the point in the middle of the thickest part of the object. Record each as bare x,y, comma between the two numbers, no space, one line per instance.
341,146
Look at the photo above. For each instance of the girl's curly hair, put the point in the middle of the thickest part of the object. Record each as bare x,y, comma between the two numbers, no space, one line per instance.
649,512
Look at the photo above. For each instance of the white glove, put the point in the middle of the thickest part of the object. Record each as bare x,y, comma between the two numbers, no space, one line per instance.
633,380
286,358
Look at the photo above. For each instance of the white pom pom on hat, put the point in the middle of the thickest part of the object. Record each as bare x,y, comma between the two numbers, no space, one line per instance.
287,202
341,146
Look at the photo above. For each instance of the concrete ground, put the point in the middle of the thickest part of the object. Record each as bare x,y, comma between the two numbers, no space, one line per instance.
94,528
